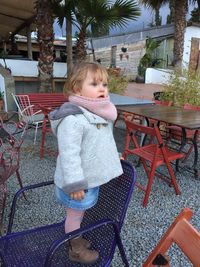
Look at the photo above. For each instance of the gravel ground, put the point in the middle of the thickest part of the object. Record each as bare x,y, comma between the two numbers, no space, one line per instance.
143,227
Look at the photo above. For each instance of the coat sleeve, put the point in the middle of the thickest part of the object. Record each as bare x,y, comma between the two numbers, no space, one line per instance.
70,134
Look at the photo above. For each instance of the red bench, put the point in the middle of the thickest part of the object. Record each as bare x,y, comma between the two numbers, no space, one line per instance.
46,100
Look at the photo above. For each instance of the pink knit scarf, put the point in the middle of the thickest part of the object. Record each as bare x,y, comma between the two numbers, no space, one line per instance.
100,106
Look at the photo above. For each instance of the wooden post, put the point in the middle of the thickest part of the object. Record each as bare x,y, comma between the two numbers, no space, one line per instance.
194,54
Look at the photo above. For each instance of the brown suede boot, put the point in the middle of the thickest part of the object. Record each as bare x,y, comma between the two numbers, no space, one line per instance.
85,242
79,253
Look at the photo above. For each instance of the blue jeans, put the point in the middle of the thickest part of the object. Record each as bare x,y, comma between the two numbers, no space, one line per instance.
90,199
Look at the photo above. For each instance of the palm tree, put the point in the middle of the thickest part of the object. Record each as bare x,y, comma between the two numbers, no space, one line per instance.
102,12
45,36
156,5
179,30
63,11
180,7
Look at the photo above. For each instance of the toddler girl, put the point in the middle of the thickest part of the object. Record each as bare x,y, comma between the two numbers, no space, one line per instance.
88,155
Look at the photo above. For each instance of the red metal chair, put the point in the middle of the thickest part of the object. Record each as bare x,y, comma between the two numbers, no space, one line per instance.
10,143
155,153
184,235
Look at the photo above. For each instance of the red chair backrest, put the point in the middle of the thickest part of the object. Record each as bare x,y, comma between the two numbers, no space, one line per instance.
184,235
192,107
163,103
151,131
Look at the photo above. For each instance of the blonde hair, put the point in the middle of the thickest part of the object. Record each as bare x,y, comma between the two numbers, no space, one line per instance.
79,73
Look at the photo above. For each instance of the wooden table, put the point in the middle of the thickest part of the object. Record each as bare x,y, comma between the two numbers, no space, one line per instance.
186,119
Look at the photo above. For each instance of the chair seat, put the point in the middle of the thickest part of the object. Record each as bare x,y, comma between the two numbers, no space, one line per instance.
148,153
26,250
101,226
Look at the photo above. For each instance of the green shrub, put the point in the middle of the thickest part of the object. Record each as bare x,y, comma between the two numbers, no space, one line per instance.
183,89
117,82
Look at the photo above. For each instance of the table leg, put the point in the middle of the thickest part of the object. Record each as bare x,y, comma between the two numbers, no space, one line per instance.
194,141
44,125
3,194
183,143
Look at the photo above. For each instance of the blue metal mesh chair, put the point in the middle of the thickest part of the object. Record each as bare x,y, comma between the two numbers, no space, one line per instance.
46,245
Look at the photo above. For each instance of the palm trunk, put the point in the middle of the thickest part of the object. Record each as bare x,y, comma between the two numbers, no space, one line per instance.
45,40
171,7
179,30
69,46
80,47
157,17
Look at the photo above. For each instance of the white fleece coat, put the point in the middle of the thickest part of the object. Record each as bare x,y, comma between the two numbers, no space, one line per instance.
88,155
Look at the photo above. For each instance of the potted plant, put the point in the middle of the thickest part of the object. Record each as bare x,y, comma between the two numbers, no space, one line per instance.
148,60
1,101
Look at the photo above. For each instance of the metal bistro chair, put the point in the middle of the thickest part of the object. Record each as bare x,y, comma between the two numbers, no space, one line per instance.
27,113
184,235
46,246
152,155
10,144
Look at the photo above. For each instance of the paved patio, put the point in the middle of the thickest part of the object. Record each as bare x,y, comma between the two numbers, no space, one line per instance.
142,90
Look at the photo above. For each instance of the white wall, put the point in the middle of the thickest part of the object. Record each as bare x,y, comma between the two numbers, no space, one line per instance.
27,68
191,31
2,89
157,76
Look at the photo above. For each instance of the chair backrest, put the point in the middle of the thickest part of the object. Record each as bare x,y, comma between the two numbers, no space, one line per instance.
23,104
112,204
184,235
11,140
114,198
135,128
192,107
163,103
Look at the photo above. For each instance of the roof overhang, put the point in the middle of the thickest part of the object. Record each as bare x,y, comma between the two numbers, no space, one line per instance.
15,16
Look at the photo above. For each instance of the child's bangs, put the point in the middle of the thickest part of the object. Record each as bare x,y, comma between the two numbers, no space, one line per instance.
100,75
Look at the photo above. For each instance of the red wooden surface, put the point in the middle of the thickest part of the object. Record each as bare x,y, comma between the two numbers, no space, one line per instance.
47,100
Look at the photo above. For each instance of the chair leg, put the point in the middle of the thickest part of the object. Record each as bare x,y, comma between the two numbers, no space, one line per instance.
188,153
3,195
173,178
20,182
42,145
149,186
127,144
35,136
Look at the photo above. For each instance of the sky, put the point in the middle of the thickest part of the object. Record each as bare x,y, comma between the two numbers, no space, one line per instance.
146,17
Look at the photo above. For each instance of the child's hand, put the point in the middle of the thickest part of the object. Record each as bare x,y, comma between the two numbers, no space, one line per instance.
78,195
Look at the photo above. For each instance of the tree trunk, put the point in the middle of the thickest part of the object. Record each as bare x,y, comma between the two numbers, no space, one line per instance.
69,46
80,47
157,16
45,39
179,30
171,7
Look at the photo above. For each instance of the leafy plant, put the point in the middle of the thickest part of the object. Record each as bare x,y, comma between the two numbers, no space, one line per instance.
148,60
183,89
117,82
